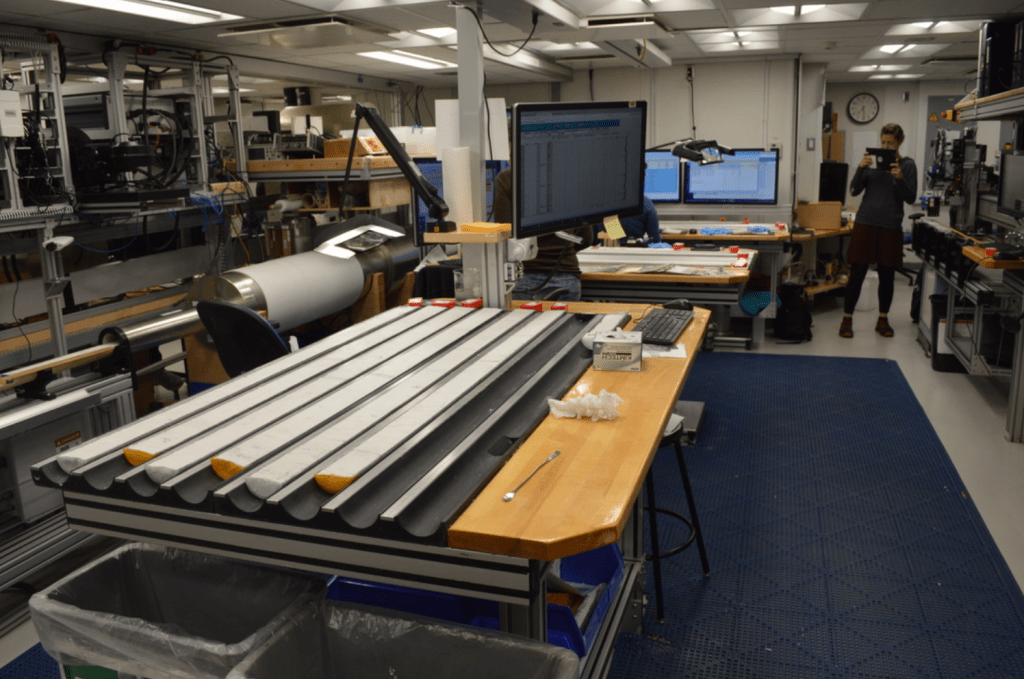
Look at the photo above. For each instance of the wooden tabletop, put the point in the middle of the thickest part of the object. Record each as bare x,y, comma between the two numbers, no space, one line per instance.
823,233
976,253
582,499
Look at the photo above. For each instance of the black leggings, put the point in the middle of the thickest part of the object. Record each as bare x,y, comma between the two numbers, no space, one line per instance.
886,287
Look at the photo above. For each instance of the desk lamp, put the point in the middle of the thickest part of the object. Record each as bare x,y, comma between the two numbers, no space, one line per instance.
701,151
423,188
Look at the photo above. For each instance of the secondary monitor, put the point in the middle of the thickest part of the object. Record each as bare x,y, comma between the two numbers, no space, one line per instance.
433,170
751,176
575,164
663,177
1011,185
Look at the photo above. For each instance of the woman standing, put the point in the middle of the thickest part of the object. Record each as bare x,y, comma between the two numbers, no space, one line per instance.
878,228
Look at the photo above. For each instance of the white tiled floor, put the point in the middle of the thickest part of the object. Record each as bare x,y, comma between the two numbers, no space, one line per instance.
968,413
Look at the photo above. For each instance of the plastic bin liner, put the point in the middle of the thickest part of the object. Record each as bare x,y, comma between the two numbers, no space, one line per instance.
167,614
338,640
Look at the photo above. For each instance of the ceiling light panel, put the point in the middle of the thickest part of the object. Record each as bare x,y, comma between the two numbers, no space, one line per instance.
795,14
408,59
443,32
935,28
883,52
159,9
564,46
739,46
726,36
586,8
878,68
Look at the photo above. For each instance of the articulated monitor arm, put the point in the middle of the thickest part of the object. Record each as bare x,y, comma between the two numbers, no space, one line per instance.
426,191
694,149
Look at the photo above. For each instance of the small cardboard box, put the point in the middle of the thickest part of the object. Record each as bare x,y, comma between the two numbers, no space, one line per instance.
618,351
824,216
365,146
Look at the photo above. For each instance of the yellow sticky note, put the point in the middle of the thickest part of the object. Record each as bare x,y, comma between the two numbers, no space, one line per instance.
613,227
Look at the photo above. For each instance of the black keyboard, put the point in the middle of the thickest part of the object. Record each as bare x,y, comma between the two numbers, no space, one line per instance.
663,326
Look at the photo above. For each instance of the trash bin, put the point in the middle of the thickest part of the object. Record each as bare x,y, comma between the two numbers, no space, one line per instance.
943,359
338,639
167,614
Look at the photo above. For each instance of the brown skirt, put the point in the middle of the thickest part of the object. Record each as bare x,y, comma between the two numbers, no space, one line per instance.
874,245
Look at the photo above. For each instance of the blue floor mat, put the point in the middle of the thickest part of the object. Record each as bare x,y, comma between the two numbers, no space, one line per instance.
35,663
841,540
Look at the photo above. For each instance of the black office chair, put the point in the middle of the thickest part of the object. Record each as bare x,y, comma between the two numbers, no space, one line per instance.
243,338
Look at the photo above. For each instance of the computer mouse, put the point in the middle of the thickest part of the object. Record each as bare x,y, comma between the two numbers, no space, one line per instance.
693,230
682,304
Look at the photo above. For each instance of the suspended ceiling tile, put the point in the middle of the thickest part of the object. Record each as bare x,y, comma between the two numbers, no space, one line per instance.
921,10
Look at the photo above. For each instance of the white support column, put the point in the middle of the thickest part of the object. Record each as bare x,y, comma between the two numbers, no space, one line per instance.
487,261
471,102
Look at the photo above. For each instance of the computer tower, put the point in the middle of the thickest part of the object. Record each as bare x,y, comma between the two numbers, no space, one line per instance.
832,181
996,57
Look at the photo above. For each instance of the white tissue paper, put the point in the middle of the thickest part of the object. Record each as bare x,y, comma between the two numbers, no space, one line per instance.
597,407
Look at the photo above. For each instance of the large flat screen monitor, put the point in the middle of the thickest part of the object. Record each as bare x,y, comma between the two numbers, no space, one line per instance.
751,176
574,164
433,170
663,177
1011,185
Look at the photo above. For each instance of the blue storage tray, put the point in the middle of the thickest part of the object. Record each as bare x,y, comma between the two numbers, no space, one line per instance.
599,566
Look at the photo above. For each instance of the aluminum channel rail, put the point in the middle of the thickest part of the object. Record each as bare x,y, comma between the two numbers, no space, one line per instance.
467,419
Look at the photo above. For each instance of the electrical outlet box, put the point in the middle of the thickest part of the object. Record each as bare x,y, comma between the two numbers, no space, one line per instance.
11,124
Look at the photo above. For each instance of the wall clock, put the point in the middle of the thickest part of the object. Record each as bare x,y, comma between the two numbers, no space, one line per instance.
863,108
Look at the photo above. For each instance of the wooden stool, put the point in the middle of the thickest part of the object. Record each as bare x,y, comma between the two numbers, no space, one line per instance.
673,435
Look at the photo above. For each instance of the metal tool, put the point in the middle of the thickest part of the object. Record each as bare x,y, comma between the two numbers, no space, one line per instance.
507,497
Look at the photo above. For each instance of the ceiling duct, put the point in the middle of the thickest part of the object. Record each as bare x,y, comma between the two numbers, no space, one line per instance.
636,53
625,27
569,61
306,32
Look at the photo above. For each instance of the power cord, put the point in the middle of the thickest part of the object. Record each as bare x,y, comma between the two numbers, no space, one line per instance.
536,16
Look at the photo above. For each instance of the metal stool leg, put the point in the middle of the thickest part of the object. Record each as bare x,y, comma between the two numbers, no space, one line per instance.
653,516
693,508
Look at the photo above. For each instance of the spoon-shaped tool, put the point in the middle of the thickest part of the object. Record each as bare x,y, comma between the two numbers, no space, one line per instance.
507,497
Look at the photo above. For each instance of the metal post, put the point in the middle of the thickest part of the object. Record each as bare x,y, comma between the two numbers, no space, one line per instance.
54,283
1015,400
236,123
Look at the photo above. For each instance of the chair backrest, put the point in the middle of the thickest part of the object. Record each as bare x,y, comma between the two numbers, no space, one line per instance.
243,338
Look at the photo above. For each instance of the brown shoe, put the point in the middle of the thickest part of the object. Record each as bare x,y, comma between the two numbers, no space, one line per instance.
883,328
846,327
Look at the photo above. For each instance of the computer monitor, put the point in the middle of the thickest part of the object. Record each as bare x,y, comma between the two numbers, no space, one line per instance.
663,177
432,169
751,176
1011,185
574,164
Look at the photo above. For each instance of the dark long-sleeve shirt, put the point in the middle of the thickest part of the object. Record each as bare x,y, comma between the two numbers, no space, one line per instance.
884,195
643,225
552,250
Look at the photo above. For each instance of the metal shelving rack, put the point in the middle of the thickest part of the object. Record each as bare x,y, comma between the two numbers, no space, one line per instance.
1001,107
40,81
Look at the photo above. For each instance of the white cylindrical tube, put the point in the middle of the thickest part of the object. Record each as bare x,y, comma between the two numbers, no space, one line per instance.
307,286
288,204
